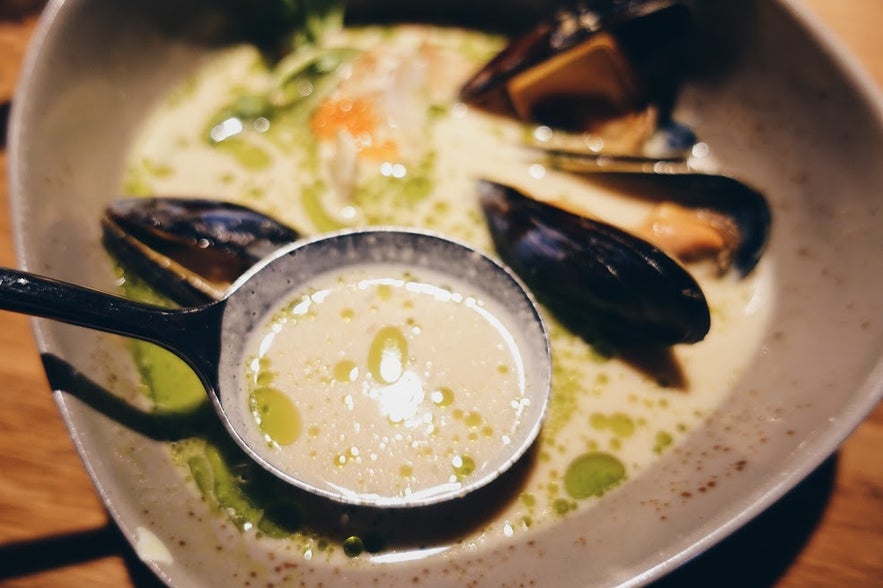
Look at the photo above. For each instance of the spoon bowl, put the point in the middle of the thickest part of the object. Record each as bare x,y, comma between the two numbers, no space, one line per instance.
212,338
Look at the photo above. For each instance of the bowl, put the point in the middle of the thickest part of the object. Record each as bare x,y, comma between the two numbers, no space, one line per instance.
782,109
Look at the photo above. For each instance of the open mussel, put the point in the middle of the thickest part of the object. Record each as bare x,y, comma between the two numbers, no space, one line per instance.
190,249
599,66
736,212
596,276
695,214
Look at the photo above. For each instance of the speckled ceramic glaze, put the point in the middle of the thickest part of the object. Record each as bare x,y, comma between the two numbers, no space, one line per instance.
781,104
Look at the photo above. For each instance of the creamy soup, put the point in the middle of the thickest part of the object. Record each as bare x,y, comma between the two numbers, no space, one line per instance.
384,140
378,383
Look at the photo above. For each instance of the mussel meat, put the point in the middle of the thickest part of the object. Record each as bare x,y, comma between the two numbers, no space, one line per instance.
190,249
591,64
735,218
593,274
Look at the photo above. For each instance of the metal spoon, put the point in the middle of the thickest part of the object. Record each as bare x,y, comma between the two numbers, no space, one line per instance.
211,338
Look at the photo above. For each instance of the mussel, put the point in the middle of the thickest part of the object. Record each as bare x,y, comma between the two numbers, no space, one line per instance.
600,78
734,213
190,249
592,63
594,275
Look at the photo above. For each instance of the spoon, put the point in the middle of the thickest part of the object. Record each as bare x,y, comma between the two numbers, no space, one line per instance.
211,338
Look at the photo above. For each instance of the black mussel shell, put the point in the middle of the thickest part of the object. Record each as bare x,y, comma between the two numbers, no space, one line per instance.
190,249
612,282
649,35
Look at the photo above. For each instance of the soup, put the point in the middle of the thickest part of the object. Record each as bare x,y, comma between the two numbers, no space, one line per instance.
383,139
378,383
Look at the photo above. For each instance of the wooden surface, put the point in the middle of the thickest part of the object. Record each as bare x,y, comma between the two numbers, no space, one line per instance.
54,531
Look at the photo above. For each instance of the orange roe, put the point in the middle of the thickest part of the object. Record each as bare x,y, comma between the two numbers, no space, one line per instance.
356,117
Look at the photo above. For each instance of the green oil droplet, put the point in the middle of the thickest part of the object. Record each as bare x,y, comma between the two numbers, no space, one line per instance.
345,371
463,466
246,154
265,378
353,546
622,424
277,416
663,440
592,474
561,506
473,419
406,471
173,385
313,205
503,369
441,207
598,421
384,291
347,314
387,355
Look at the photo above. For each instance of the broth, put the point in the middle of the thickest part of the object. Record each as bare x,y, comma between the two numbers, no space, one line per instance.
386,141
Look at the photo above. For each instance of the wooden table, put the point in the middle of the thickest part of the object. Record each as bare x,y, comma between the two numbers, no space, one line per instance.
55,532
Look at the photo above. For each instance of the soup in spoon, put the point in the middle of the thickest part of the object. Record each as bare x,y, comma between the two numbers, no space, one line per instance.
385,383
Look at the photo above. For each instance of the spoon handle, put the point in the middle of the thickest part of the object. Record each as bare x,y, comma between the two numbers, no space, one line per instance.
176,330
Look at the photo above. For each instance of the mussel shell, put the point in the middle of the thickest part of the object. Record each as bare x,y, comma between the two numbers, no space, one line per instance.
649,32
190,249
746,207
620,286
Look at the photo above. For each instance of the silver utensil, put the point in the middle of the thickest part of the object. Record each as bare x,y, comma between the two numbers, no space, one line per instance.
211,338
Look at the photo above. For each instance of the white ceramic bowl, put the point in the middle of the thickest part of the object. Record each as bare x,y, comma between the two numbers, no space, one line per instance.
782,106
